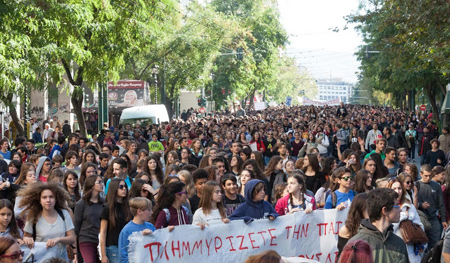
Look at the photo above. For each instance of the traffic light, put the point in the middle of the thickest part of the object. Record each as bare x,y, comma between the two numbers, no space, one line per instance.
201,102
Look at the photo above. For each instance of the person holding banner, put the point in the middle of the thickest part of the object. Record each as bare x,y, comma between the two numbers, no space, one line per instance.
254,207
48,219
297,199
169,211
211,209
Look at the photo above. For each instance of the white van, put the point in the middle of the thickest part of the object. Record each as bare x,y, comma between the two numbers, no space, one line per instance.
145,115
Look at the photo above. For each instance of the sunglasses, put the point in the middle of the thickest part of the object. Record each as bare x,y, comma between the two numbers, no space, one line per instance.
99,182
122,186
182,193
347,178
408,182
144,190
15,255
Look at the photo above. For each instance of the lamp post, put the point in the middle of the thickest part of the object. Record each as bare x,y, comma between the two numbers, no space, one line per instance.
1,127
155,71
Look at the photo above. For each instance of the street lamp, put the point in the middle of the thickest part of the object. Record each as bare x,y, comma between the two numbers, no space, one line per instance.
155,71
1,127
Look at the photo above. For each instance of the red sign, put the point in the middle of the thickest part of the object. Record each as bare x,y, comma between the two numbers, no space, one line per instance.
202,110
423,107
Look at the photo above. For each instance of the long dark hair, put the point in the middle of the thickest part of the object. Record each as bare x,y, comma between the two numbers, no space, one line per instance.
258,173
84,167
360,181
112,203
301,182
135,189
356,213
313,162
158,169
76,190
13,229
271,166
166,197
89,184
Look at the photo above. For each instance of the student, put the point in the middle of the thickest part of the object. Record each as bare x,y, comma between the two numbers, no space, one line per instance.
169,211
71,185
43,168
120,170
211,208
383,210
141,209
46,203
115,215
431,203
200,177
254,207
245,176
297,199
231,199
87,218
8,226
104,160
344,194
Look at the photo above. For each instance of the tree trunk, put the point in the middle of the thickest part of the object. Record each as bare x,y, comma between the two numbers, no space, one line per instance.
431,93
252,95
77,103
8,101
169,107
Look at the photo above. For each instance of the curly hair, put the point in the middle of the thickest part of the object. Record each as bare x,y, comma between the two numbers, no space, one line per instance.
31,199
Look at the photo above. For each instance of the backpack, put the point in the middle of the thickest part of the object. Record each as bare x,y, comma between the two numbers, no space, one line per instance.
60,213
435,253
166,210
334,198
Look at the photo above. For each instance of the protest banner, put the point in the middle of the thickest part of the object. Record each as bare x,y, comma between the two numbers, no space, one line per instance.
39,253
312,236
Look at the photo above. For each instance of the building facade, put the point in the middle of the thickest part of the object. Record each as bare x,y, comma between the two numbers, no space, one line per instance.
334,89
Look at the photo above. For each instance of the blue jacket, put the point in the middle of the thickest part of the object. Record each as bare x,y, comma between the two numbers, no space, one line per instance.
253,210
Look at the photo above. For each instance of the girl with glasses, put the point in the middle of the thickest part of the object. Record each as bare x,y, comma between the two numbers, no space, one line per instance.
87,218
114,216
410,189
10,251
169,211
211,209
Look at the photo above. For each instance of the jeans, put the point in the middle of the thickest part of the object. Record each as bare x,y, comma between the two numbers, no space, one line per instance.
112,252
412,150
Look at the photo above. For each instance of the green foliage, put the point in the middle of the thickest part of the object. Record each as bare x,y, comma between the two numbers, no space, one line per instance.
411,38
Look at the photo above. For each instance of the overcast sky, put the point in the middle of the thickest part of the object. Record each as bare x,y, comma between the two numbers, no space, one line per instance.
324,52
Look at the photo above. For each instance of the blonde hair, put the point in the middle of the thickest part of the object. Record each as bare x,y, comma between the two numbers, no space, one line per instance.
141,203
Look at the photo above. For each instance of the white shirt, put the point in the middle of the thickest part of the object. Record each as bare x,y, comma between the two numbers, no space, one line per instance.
212,218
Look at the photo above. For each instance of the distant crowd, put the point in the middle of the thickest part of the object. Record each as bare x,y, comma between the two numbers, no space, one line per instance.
388,166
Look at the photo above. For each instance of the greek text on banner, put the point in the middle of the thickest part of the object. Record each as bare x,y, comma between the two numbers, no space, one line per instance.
313,236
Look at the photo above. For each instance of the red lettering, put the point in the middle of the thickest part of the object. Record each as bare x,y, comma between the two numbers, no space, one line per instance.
198,245
296,231
318,256
208,245
329,258
186,247
242,242
261,233
215,243
272,237
331,228
304,232
231,243
165,252
287,228
320,228
150,245
339,223
176,248
251,240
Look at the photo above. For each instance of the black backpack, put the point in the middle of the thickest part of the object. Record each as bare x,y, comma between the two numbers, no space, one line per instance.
435,253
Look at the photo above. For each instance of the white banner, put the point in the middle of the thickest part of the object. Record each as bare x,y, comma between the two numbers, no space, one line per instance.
39,253
312,236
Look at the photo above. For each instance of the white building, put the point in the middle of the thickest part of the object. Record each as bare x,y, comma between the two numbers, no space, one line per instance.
334,89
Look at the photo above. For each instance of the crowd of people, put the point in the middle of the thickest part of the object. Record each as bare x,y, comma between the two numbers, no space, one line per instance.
77,193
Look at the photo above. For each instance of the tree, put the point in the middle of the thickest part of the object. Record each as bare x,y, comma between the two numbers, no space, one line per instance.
412,46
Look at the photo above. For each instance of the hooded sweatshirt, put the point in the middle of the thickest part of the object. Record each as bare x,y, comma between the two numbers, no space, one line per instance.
253,210
387,247
39,168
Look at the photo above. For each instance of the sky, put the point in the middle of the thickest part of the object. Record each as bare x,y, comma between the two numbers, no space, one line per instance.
326,54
